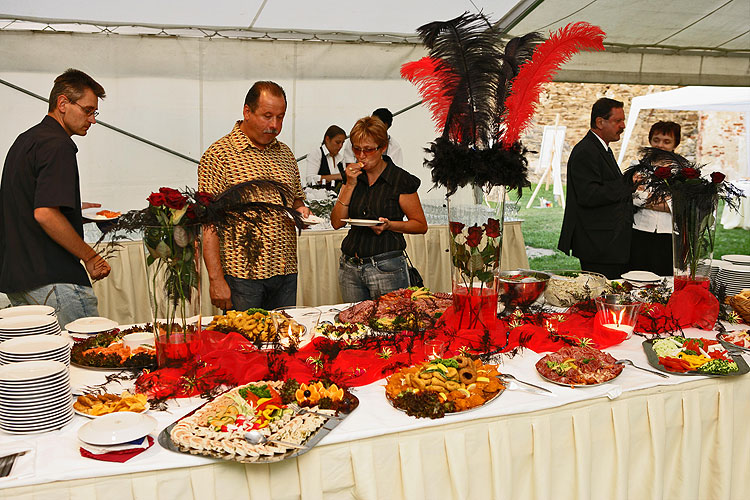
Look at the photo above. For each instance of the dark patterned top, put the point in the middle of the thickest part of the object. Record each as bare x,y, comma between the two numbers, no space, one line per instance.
234,159
378,200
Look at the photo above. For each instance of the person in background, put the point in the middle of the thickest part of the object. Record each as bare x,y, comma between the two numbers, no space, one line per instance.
325,164
598,219
251,151
393,151
41,225
651,244
372,261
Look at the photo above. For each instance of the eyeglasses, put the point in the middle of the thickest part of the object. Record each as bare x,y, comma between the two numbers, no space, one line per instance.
89,112
364,151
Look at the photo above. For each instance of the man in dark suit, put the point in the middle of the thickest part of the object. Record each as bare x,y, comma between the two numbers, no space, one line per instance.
598,214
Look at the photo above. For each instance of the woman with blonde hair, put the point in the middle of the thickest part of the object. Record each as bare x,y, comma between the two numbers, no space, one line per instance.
382,194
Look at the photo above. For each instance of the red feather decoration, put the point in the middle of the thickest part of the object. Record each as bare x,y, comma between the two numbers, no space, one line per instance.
547,59
434,84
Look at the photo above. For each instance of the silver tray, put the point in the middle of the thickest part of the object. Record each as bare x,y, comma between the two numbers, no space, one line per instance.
390,401
166,442
728,345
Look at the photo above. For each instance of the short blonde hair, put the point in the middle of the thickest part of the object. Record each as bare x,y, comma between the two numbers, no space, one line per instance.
372,127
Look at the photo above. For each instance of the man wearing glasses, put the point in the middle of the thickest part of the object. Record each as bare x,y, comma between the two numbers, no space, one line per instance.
41,226
249,152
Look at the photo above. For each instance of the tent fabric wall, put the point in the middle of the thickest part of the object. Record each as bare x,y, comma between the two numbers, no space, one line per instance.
698,98
185,93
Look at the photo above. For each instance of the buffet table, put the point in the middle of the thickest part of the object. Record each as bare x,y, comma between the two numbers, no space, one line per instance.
123,298
639,436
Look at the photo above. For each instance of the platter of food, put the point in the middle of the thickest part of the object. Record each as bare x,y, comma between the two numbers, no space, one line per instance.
107,351
693,356
289,419
99,214
414,308
97,405
346,332
263,328
739,339
443,386
578,366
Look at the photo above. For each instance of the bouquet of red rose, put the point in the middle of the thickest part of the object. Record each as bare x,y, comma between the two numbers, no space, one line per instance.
694,199
474,249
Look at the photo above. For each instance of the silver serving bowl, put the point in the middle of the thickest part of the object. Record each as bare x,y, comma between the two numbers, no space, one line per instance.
521,287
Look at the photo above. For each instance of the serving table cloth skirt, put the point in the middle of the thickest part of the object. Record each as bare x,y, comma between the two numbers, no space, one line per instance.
629,439
123,294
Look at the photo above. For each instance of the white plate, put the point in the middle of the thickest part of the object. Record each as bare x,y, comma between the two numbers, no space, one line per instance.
312,220
91,214
34,344
116,428
362,222
642,276
737,259
30,310
30,370
94,324
31,322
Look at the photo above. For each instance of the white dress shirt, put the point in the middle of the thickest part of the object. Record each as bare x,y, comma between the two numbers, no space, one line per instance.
308,173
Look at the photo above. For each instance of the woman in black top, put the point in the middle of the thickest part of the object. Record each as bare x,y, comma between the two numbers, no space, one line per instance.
372,261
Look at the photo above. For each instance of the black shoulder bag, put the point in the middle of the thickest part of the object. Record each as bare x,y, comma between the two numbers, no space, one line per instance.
415,279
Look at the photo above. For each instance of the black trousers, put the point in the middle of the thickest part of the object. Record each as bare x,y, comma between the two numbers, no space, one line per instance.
611,271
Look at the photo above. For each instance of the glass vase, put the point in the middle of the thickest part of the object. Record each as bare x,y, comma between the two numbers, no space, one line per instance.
693,231
475,219
173,262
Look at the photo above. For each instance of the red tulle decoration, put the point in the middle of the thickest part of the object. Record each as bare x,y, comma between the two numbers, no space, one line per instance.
547,59
434,84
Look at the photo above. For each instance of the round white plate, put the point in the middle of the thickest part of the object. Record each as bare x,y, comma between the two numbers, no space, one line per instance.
30,310
116,428
36,344
30,370
91,214
737,259
35,321
642,276
94,324
362,222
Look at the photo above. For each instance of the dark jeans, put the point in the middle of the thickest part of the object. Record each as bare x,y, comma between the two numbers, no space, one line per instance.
269,293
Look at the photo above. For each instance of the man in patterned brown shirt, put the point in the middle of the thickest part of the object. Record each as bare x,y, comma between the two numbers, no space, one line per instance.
250,151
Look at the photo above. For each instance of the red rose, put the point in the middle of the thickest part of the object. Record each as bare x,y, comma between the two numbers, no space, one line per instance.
167,191
717,177
456,227
175,200
690,173
203,198
156,199
492,228
663,172
190,212
475,236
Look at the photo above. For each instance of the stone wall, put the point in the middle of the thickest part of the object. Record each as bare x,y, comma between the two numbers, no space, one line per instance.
720,143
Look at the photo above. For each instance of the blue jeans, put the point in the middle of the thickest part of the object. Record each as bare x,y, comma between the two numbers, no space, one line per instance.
371,278
70,301
269,293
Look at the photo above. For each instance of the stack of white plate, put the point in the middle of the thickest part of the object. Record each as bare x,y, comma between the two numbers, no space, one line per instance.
34,397
90,326
35,347
31,310
734,273
20,326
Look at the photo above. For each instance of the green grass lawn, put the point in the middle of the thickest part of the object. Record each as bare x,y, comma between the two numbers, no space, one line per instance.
541,229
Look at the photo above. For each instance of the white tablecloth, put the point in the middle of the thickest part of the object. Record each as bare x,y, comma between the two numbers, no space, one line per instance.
639,436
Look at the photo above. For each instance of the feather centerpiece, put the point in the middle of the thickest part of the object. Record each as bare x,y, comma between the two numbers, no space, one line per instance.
546,60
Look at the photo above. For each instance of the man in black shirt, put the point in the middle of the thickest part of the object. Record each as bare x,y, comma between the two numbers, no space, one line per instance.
41,226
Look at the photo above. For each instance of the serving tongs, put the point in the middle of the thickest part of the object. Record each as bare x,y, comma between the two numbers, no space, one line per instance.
508,376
